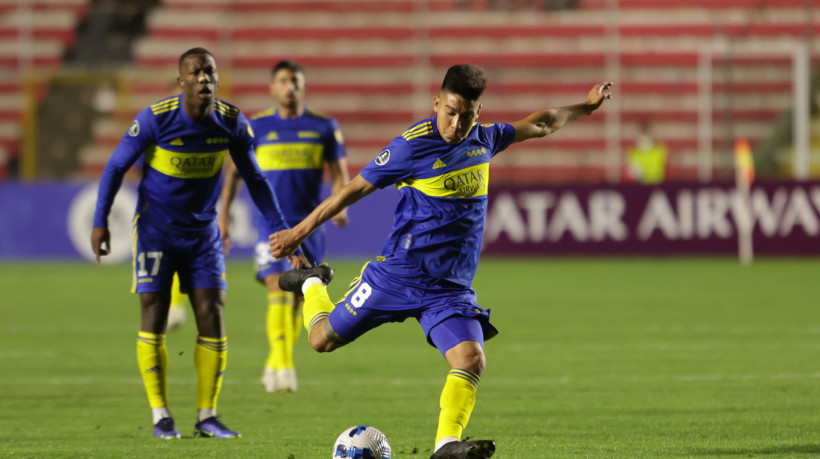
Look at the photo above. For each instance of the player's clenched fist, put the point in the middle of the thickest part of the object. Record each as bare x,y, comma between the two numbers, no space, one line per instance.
283,243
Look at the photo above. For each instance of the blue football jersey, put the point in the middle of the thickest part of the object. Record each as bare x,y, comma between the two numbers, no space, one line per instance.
292,154
182,165
439,220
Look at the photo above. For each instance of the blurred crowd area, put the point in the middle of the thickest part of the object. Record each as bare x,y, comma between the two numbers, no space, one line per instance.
691,77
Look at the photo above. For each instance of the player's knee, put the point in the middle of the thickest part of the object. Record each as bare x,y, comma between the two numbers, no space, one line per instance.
318,341
323,338
476,362
467,355
323,344
154,315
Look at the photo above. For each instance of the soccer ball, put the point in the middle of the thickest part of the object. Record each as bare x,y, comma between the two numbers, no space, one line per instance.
361,442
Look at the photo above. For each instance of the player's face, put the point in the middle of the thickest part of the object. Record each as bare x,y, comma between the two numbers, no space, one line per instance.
456,116
288,87
198,78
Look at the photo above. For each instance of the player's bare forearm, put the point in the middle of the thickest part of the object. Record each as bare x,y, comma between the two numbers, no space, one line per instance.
545,122
229,188
340,177
339,174
227,196
285,242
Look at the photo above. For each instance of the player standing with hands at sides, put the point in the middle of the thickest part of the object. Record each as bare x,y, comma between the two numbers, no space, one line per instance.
292,146
441,168
184,140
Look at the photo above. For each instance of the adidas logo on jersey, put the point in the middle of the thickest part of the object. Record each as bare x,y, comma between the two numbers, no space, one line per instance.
177,141
438,164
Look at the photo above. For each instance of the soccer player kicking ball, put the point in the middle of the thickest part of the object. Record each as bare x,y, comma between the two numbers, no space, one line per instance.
292,146
184,140
441,168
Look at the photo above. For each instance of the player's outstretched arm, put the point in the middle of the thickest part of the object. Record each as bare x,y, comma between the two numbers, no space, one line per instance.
545,122
285,242
227,196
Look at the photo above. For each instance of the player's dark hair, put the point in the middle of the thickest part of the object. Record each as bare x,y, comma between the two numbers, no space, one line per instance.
289,65
191,51
468,81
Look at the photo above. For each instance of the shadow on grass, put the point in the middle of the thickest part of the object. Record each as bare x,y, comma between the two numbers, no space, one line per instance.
760,451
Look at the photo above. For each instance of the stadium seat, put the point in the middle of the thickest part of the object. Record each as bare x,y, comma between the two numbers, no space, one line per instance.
369,61
34,36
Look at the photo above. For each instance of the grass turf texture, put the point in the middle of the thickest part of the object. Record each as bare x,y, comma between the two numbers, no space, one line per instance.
596,358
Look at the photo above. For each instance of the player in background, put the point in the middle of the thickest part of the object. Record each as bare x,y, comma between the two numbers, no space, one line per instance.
441,168
292,146
179,301
184,140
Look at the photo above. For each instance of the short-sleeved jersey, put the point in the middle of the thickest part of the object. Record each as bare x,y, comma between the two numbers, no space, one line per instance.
182,166
292,152
439,220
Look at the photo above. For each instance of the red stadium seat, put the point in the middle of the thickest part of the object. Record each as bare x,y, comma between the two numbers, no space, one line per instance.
357,50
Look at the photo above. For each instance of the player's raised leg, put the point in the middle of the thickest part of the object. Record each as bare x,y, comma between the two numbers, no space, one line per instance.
312,282
210,359
463,339
152,357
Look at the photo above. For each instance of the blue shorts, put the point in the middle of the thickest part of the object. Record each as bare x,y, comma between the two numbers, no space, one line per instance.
392,291
313,247
158,254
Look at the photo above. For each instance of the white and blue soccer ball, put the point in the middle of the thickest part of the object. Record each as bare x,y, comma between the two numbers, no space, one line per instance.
361,442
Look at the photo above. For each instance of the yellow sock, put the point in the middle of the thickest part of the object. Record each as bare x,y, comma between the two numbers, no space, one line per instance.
280,330
457,402
287,362
152,356
210,359
317,306
297,322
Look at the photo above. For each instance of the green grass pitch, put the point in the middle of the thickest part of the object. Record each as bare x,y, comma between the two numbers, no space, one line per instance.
596,358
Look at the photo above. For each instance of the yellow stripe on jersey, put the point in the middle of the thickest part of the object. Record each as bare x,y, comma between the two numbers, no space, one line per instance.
418,131
134,236
163,107
263,113
308,135
284,156
185,165
354,285
219,103
418,128
165,103
226,110
465,183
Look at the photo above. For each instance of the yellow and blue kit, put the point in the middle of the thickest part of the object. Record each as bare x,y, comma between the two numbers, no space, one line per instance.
439,220
175,223
429,260
292,153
